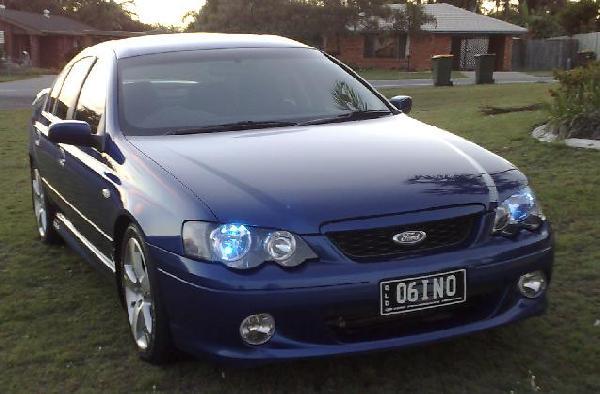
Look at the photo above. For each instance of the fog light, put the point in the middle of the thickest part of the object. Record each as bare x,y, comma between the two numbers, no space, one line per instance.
257,329
532,284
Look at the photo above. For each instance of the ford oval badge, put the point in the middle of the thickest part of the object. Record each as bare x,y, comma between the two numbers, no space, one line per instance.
408,238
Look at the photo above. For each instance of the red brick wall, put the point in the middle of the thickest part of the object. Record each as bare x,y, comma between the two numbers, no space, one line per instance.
58,50
350,50
424,46
507,58
9,47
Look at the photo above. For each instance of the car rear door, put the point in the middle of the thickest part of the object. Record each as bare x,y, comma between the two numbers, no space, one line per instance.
50,157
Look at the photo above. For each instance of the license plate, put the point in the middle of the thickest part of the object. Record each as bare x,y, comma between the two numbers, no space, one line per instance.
423,292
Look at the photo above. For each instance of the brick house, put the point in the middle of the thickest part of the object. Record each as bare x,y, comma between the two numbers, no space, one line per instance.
456,31
50,40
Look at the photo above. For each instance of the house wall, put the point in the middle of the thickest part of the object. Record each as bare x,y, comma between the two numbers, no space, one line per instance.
11,48
57,50
502,47
350,50
48,51
424,46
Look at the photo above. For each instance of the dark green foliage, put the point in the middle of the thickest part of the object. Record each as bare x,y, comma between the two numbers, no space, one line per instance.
551,18
306,20
577,94
580,17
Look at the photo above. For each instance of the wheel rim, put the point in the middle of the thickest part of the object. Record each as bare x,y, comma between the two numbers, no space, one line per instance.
138,297
39,203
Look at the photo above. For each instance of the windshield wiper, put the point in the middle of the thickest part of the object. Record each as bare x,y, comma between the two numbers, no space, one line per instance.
354,115
244,125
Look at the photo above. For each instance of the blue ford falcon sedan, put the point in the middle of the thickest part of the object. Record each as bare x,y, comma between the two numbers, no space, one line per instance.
255,200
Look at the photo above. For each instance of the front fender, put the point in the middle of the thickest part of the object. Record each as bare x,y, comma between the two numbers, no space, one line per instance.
157,201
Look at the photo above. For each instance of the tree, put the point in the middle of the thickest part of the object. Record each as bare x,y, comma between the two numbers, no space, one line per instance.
541,22
412,19
580,17
305,20
471,5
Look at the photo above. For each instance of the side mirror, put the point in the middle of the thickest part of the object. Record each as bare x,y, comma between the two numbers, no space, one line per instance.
402,103
74,132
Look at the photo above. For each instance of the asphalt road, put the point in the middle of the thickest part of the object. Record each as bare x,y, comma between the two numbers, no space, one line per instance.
20,94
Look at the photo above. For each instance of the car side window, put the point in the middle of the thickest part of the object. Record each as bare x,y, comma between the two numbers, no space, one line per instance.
70,89
58,83
92,99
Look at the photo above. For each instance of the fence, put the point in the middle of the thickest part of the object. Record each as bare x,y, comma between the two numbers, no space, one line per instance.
589,41
544,54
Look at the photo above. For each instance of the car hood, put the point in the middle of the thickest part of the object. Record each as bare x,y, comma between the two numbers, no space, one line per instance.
299,178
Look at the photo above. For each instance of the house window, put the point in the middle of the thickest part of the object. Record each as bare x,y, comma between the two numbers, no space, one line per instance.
385,46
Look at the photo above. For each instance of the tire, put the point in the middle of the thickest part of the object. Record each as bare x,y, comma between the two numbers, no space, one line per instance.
148,322
42,209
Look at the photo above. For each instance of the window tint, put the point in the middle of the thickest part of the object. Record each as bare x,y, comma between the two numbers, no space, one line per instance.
190,89
70,90
58,83
90,106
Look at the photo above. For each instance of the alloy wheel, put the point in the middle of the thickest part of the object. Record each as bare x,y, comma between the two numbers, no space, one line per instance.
39,203
137,291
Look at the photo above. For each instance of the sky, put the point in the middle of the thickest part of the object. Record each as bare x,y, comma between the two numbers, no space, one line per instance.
166,12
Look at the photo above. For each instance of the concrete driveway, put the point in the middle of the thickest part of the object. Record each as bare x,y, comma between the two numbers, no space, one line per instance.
20,94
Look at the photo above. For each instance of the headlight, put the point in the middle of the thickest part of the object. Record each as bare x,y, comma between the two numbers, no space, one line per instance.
520,210
241,246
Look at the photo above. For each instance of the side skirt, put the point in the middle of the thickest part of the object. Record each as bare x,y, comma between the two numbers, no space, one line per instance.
83,246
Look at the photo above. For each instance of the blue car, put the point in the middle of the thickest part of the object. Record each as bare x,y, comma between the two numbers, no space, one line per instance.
254,200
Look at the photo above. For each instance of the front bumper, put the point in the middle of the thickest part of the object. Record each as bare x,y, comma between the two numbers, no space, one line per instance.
331,306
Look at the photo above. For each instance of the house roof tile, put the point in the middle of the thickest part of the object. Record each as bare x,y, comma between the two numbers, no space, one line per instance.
451,19
38,23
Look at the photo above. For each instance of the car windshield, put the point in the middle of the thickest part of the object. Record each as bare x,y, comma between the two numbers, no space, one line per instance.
192,91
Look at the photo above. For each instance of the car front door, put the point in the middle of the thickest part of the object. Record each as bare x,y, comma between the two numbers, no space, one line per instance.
90,182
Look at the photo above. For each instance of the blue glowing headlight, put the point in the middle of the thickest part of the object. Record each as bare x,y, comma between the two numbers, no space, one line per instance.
519,210
241,246
231,241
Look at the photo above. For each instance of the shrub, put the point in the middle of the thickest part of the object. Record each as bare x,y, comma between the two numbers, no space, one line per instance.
578,93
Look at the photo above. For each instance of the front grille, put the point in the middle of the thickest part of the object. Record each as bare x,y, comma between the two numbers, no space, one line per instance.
372,243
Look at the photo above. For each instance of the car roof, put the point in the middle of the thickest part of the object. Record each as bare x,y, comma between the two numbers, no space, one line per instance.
159,43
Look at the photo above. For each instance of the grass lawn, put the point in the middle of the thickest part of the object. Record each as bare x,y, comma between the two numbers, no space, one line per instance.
62,329
23,74
383,74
